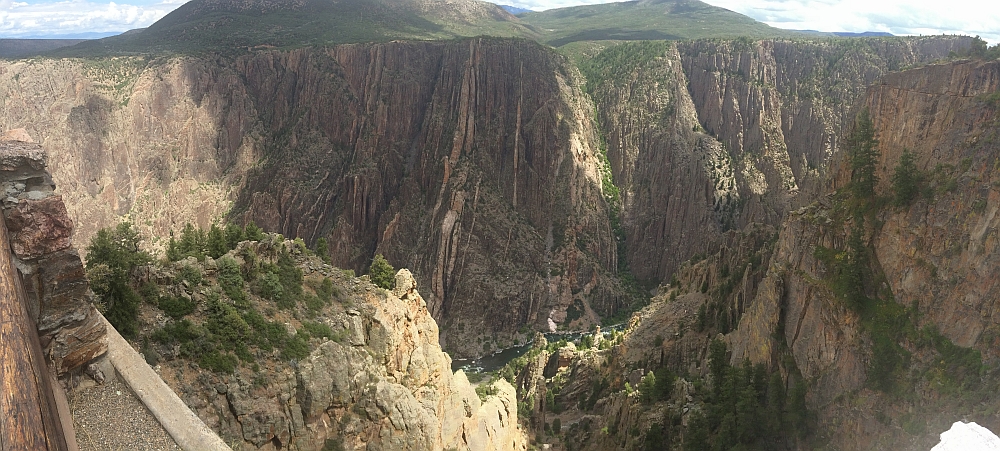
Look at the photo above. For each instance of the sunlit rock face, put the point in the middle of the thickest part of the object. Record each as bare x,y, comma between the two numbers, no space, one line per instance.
967,437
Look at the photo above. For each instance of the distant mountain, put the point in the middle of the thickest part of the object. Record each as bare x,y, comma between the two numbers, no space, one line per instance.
20,48
863,34
847,34
515,10
234,25
646,19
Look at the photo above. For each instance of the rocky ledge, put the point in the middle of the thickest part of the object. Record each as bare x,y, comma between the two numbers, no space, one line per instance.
58,294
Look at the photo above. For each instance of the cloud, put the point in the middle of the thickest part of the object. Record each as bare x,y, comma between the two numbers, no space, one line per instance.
900,17
910,17
22,19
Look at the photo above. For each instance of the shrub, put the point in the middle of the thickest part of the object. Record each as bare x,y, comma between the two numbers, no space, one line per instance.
111,257
269,286
382,273
176,307
191,274
323,250
296,348
317,329
231,279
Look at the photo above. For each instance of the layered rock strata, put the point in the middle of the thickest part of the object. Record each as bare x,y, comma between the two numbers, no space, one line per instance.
472,162
59,297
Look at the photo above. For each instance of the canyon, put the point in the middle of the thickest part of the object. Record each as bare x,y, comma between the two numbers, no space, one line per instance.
698,186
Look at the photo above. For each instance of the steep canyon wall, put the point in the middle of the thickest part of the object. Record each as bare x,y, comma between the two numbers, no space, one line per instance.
476,163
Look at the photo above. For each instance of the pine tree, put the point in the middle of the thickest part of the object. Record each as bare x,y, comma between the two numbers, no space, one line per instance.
111,257
323,250
863,154
906,180
382,273
217,245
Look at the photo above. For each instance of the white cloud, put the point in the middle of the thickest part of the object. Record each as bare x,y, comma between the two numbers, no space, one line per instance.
900,17
20,19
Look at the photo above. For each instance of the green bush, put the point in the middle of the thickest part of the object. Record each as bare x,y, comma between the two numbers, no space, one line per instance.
382,273
290,277
231,279
218,362
323,250
296,348
176,307
269,286
111,257
317,330
191,274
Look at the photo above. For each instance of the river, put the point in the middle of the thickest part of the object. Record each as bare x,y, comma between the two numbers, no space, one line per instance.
497,360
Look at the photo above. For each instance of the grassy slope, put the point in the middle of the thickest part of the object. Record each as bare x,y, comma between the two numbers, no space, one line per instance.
195,27
646,20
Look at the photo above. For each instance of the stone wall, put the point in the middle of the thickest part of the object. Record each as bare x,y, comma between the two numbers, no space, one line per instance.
59,297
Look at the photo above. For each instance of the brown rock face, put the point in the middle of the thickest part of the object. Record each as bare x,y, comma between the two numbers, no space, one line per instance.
937,256
475,163
713,135
471,162
57,289
39,227
942,252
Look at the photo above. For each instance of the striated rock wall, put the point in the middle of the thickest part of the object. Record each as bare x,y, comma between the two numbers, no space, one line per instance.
59,297
711,135
936,255
471,162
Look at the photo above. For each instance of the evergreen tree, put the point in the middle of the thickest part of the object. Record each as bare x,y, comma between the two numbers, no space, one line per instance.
906,180
717,363
323,249
696,436
217,245
382,273
112,256
863,154
252,232
234,234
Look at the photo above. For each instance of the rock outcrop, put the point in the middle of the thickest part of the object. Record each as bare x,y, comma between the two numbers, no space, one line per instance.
59,297
378,379
391,386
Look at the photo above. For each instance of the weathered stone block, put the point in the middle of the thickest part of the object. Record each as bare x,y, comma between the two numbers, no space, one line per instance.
39,227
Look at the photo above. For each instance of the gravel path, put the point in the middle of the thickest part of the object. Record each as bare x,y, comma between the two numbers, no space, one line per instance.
109,417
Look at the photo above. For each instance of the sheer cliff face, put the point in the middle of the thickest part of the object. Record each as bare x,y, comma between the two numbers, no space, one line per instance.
713,135
470,162
942,253
937,256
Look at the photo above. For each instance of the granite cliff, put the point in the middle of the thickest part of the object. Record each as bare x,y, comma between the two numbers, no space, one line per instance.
706,136
476,163
473,162
893,372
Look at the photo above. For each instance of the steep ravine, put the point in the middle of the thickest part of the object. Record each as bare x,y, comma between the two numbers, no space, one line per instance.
890,375
475,162
472,162
705,136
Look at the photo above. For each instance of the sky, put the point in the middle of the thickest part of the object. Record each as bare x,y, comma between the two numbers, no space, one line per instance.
96,18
